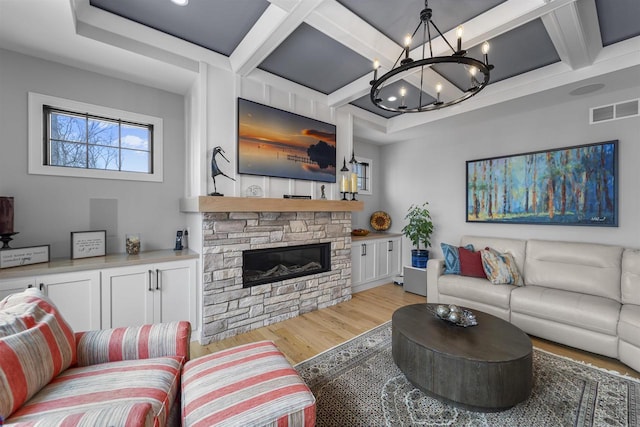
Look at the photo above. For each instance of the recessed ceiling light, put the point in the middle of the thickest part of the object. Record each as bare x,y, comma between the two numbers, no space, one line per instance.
391,98
180,2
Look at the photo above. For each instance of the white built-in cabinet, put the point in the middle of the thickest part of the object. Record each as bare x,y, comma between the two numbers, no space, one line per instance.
128,295
150,293
375,260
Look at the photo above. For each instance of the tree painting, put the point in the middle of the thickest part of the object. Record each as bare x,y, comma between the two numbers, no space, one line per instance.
570,186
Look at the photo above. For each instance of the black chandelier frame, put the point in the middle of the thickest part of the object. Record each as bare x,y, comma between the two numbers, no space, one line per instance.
406,64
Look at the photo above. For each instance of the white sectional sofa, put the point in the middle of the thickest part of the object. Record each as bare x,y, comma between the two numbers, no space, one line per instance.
583,295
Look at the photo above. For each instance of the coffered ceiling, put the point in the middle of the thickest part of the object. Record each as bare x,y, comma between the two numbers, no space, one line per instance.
329,45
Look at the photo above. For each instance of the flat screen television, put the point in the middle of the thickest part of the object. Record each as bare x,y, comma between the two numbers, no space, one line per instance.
277,143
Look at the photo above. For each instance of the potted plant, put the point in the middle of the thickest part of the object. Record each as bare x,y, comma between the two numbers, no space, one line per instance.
419,230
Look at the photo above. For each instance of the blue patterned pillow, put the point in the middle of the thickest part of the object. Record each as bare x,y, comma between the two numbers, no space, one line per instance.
452,258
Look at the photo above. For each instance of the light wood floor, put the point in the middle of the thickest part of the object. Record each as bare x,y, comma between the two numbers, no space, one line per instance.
305,336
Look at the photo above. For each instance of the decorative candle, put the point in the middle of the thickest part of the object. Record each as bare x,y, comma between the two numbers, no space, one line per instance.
344,184
354,183
6,215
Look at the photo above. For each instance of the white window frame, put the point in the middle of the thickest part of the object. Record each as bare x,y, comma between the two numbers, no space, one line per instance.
37,122
370,176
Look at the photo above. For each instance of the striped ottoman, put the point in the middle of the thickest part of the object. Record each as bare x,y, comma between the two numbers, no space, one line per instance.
248,385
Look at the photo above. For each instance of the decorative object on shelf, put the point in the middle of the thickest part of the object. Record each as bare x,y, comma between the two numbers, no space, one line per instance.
456,315
6,221
322,195
185,239
419,230
86,244
254,191
24,256
178,246
277,143
296,196
132,244
344,179
565,186
215,170
380,221
381,87
359,232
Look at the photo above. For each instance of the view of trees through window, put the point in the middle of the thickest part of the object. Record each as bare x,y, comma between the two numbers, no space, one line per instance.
84,141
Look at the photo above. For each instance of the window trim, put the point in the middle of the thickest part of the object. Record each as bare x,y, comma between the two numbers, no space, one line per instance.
37,151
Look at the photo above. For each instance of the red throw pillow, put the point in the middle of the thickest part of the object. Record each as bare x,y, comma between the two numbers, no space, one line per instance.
471,263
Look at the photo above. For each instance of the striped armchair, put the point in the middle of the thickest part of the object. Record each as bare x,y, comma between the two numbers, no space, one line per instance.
51,376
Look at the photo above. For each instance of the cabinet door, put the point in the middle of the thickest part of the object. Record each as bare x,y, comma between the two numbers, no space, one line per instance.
77,296
395,257
12,286
127,296
356,264
175,289
368,267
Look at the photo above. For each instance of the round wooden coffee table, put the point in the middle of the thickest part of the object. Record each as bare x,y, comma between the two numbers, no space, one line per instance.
487,367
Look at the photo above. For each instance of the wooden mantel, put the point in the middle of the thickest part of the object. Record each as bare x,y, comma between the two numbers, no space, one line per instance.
260,204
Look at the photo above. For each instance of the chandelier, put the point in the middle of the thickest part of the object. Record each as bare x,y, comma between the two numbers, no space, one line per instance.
478,72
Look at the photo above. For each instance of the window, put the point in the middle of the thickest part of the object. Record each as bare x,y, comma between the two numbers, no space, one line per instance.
70,138
363,169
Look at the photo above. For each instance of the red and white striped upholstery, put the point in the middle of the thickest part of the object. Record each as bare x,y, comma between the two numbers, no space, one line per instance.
155,381
132,343
36,344
128,414
248,385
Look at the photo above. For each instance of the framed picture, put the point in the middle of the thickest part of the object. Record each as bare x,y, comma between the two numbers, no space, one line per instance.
24,256
85,244
566,186
277,143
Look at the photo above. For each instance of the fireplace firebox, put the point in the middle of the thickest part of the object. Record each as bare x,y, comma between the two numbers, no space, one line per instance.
260,266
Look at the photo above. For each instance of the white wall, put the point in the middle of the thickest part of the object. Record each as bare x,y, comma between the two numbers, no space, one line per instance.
433,168
48,208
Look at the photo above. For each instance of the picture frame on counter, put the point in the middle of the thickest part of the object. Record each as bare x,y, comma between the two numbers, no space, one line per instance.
24,256
87,244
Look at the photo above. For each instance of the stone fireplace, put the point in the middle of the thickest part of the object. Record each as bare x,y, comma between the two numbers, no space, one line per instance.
229,308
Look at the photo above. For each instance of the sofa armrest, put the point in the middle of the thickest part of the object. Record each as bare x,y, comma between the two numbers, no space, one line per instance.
136,342
435,268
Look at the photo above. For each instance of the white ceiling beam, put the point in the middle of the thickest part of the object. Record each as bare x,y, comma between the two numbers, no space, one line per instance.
105,27
568,30
271,29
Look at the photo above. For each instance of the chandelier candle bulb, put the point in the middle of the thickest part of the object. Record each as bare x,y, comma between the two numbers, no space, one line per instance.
376,65
407,44
459,32
485,51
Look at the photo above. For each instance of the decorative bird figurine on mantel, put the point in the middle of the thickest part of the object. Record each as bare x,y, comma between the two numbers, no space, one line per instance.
215,169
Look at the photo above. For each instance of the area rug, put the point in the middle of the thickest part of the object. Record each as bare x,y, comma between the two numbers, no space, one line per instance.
358,384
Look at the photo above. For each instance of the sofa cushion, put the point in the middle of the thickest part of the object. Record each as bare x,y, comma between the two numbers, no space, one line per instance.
471,263
476,289
452,258
500,268
515,247
585,268
631,276
155,381
597,314
629,324
36,344
126,414
248,385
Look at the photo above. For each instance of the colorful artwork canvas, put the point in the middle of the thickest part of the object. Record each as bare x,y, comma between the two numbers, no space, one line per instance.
277,143
567,186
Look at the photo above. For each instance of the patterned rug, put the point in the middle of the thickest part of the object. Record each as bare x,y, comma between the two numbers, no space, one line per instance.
358,384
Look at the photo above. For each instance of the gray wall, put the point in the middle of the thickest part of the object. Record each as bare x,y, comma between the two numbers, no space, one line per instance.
48,208
372,202
433,168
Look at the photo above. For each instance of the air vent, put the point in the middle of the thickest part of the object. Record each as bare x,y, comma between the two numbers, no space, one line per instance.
621,110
